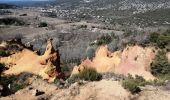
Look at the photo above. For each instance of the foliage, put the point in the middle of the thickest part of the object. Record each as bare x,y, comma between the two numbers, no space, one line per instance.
83,26
42,24
6,6
17,86
3,53
1,66
132,84
11,21
73,79
88,74
153,37
65,68
104,39
13,83
160,65
161,40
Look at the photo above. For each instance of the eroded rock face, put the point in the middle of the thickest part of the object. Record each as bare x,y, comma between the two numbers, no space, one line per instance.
134,60
168,55
47,65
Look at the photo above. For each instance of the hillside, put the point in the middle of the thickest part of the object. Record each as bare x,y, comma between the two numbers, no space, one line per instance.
110,11
112,67
85,50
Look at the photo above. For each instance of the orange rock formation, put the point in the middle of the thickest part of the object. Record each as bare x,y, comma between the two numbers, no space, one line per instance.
134,60
47,65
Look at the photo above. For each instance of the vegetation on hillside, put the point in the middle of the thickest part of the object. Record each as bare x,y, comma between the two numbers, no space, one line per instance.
160,40
11,21
42,24
13,83
104,39
160,66
6,6
3,53
133,84
88,74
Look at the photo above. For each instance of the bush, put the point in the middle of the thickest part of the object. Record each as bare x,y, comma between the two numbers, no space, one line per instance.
42,24
132,84
13,83
153,37
160,66
73,79
161,40
11,21
88,74
83,26
104,39
3,53
17,86
65,68
2,67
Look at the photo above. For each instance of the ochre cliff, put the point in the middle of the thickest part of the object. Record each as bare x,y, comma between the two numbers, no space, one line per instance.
134,60
47,65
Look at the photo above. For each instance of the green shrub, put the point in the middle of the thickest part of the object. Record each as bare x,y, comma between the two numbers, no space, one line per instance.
17,86
73,79
13,83
65,68
104,39
89,74
160,66
3,53
83,26
11,21
2,67
161,40
43,24
153,37
132,84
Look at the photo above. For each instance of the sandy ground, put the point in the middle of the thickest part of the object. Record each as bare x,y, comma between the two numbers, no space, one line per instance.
102,90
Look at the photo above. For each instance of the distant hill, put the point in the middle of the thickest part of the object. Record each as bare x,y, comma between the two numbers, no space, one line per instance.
26,3
6,6
114,11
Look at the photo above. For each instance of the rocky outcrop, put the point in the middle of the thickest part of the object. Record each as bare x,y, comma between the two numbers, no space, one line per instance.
134,60
168,55
47,65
